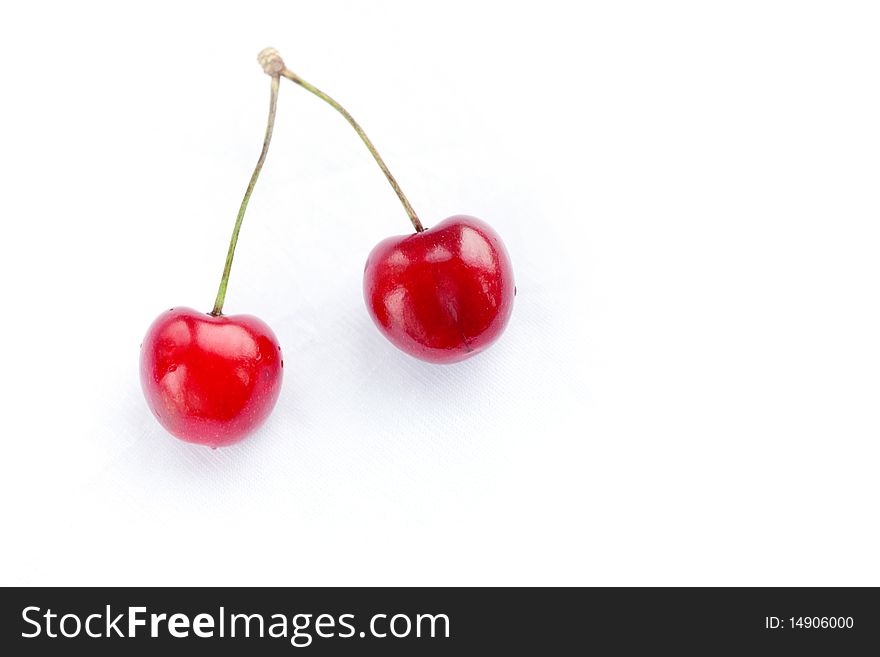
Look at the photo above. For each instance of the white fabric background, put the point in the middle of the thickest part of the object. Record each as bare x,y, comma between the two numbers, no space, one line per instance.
687,392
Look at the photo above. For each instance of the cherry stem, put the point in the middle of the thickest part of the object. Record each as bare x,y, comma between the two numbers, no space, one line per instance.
413,217
270,125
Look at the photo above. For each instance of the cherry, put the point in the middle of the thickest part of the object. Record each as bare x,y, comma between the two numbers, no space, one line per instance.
443,294
210,378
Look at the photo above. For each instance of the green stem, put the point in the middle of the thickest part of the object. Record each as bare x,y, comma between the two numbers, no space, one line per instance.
270,125
293,77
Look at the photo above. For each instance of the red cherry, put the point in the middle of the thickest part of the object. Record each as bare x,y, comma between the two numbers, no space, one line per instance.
210,380
443,294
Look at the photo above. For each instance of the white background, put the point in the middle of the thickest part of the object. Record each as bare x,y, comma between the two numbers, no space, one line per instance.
688,391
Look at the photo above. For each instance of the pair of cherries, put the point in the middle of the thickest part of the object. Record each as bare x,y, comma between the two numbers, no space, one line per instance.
442,295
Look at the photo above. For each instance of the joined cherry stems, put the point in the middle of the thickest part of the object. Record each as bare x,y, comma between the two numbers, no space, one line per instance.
293,77
275,68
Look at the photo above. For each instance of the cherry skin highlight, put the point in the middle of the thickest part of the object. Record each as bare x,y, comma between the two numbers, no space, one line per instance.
443,294
209,379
